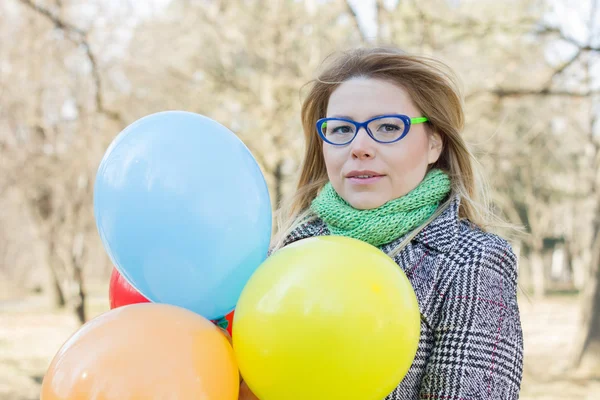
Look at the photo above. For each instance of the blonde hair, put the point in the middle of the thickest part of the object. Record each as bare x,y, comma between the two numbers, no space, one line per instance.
434,90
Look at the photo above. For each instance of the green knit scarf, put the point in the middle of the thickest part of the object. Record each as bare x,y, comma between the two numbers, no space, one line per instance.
386,223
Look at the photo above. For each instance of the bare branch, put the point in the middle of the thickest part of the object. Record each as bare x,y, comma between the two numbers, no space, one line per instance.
550,30
544,92
354,16
470,23
58,23
563,67
78,37
426,36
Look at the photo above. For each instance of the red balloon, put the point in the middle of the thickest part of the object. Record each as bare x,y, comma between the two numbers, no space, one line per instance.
121,293
229,318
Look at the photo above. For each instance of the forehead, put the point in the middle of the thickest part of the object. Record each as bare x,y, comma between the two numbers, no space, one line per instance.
362,98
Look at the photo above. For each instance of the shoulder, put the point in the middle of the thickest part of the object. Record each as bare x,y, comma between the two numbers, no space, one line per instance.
485,252
312,227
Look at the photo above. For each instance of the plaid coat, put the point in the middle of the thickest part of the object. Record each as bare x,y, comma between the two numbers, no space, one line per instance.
471,345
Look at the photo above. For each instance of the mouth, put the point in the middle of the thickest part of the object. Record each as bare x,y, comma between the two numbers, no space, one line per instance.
364,177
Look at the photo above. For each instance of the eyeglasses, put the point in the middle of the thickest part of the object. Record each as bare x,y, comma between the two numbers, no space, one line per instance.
383,129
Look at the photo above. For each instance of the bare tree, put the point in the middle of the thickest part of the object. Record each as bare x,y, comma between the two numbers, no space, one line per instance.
67,92
55,106
573,80
588,342
243,64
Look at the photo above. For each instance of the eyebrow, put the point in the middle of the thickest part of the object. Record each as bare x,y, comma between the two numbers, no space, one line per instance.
371,117
341,116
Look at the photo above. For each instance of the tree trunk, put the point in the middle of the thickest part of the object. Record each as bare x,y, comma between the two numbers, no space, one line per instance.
538,274
278,175
77,261
569,261
80,293
581,266
56,293
588,346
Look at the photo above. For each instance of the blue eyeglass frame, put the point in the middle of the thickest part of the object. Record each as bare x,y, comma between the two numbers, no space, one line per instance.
408,122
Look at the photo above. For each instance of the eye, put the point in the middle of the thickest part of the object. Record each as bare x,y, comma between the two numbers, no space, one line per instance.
337,128
342,129
388,128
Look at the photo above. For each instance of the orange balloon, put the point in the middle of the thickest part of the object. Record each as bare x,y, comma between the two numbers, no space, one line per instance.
144,351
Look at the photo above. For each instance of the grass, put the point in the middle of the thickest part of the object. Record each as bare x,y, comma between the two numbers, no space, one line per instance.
31,334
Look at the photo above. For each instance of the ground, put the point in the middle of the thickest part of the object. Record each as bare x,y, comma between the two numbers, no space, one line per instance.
30,335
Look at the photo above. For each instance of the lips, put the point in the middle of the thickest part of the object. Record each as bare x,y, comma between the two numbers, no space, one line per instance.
363,174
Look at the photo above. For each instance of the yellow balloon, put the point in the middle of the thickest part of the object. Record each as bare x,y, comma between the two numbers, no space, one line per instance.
326,318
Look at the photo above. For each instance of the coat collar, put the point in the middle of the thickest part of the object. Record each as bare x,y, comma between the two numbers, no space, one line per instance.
440,235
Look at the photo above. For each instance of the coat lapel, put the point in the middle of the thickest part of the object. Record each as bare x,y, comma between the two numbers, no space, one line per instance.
421,260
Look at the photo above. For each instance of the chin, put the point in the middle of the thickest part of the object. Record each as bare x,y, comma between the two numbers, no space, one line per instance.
365,202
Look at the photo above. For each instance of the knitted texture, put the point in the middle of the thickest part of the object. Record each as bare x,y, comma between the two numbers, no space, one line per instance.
386,223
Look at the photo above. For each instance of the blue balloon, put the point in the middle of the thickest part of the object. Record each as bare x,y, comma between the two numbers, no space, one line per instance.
183,211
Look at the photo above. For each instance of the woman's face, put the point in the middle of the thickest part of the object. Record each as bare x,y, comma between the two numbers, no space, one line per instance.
368,174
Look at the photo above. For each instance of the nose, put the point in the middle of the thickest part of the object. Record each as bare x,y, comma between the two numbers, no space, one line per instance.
363,146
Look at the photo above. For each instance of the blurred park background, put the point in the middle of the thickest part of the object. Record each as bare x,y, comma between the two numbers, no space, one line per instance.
74,73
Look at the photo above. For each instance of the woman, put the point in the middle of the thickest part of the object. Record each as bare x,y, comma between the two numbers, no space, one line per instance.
385,163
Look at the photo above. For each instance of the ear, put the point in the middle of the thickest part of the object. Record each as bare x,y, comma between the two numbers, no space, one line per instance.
436,145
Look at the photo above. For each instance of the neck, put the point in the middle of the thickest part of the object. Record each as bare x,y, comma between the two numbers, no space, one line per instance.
388,222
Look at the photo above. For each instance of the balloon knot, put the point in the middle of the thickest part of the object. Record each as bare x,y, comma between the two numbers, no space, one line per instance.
222,323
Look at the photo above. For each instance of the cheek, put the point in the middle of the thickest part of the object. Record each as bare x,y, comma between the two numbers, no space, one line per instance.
332,160
411,154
